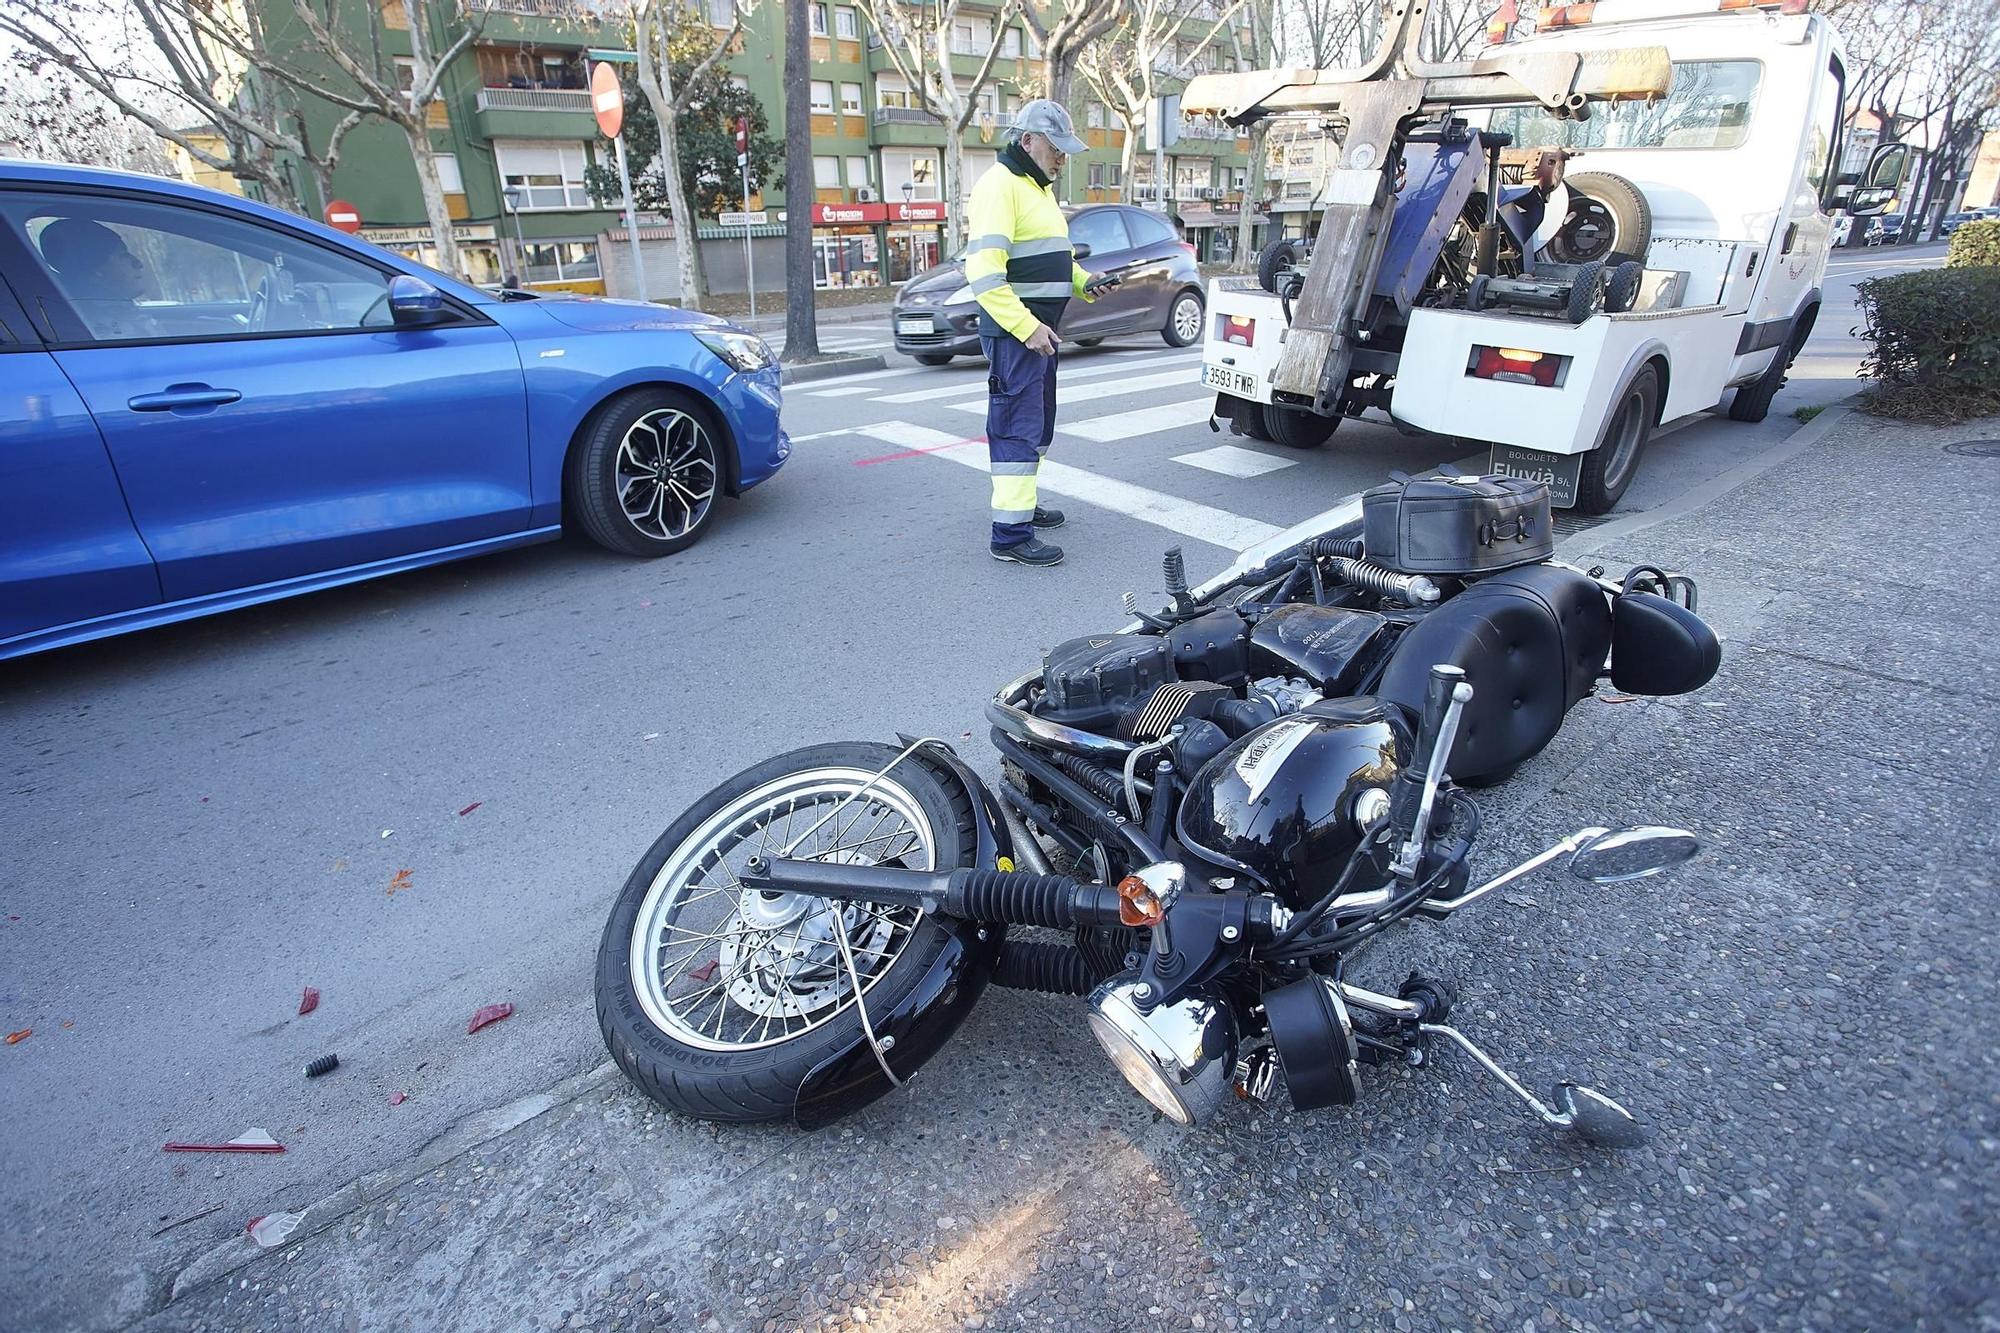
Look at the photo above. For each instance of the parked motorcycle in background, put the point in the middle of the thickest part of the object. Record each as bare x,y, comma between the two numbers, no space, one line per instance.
1204,820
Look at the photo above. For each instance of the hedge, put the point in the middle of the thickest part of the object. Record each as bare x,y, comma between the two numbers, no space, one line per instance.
1937,341
1975,245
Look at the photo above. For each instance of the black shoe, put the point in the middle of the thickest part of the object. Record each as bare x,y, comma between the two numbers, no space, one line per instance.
1033,551
1047,518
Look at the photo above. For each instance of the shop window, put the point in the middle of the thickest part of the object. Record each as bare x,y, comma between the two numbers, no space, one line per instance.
562,261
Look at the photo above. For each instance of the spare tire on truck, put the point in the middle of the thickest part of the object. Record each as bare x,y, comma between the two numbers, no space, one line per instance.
1609,220
1279,255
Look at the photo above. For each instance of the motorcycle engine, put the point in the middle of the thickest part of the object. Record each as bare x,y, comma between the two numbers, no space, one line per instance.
1237,669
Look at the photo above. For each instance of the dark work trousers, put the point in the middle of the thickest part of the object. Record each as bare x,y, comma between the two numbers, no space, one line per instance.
1020,423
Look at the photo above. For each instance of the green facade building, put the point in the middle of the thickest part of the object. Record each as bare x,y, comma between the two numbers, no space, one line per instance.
514,132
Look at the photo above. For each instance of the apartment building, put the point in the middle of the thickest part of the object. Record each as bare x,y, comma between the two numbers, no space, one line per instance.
514,132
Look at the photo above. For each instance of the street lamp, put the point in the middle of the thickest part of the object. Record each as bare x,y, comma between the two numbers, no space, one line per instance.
909,190
512,194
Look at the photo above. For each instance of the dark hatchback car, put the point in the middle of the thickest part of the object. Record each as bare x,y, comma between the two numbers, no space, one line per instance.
935,317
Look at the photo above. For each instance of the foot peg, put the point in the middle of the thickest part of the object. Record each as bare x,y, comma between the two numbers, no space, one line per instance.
1584,1112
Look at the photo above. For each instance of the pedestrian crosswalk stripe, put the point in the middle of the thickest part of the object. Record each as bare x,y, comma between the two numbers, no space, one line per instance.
1070,394
1231,461
1143,421
1204,523
844,391
1064,375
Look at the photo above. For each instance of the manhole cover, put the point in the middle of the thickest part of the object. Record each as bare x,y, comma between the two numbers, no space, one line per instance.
1975,448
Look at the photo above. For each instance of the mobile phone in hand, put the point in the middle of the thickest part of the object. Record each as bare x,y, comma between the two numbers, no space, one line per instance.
1102,283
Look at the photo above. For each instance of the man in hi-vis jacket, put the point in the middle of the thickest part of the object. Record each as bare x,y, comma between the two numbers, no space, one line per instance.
1019,266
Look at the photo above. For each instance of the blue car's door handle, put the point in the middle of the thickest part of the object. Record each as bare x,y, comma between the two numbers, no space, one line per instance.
182,396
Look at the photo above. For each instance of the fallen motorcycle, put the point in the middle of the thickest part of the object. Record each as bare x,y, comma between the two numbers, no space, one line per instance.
1203,822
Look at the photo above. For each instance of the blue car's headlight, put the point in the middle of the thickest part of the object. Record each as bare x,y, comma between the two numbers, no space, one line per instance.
742,351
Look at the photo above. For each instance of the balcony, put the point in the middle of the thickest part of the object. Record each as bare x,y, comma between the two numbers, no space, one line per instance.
571,23
533,113
568,11
904,115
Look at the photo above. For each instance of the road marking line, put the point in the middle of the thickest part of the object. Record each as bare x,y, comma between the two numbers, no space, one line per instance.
1231,461
1146,420
1064,375
1070,394
1204,523
842,392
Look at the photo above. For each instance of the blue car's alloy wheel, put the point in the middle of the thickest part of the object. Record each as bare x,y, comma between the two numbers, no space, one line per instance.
644,477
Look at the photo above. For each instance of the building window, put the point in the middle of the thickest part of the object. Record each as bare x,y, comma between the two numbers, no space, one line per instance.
721,13
917,168
1239,178
739,83
826,173
1094,115
818,13
850,99
448,173
1117,175
1032,45
857,173
1097,175
549,175
562,261
890,90
822,97
1010,44
846,23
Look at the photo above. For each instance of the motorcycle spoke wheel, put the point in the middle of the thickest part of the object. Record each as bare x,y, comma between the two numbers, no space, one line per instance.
723,967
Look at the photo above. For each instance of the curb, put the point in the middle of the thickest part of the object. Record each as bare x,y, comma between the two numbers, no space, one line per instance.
480,1128
806,372
1700,497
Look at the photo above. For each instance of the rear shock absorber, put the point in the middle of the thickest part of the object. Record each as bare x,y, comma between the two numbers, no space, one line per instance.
1410,589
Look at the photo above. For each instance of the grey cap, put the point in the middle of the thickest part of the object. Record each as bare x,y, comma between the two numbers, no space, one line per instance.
1043,116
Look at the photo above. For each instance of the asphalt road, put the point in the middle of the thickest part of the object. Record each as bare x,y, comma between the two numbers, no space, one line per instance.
418,795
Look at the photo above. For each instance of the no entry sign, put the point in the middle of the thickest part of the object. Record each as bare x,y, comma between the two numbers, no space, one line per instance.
343,216
607,99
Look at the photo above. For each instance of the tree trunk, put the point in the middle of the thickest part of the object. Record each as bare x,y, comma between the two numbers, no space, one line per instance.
1059,75
801,328
687,241
954,189
1246,219
1127,159
431,186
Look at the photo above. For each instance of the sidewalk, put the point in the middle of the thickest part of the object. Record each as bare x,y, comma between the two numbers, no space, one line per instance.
1804,1014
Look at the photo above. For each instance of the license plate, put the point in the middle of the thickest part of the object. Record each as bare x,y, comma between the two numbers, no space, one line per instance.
1229,381
914,324
1559,471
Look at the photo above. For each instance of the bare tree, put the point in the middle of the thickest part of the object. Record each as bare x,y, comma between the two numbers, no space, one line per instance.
1253,48
666,29
1137,62
190,71
1065,32
801,327
57,119
917,36
370,89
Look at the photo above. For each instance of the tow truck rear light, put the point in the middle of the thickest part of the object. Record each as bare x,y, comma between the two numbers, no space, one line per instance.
1238,329
1517,365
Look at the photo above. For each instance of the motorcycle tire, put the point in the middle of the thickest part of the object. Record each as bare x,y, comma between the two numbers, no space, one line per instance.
1601,196
1609,468
665,1048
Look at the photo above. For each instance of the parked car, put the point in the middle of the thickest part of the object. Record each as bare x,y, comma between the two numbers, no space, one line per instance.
1953,221
1883,230
206,403
935,317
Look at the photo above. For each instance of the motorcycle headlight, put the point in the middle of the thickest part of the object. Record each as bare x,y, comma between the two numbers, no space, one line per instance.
742,351
963,296
1177,1056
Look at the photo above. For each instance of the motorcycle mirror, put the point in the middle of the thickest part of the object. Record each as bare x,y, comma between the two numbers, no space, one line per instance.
1632,853
1596,1119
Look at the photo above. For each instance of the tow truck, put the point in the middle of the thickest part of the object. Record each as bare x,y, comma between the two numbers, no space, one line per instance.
1463,280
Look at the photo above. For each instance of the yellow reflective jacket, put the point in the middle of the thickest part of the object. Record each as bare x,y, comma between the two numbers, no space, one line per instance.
1018,261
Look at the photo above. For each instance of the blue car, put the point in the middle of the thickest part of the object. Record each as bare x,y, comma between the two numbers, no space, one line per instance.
207,403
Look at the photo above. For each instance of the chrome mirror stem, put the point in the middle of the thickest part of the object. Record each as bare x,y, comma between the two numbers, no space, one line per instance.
1446,906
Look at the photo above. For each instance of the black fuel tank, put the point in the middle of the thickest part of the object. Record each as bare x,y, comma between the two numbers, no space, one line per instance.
1331,647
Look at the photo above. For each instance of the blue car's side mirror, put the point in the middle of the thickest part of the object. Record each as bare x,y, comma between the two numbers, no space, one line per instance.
413,303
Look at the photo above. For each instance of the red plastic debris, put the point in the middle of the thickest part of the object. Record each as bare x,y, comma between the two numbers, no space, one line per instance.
398,1098
309,1001
488,1015
16,1038
399,882
706,972
470,808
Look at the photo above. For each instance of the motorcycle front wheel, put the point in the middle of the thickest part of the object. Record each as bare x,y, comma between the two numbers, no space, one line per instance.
717,1000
